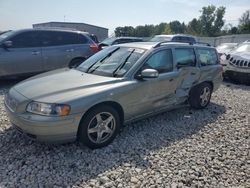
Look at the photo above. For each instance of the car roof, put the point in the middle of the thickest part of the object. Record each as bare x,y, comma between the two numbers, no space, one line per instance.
149,45
51,29
127,38
181,35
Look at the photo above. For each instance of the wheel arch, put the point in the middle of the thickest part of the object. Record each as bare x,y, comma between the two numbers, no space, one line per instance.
75,59
113,104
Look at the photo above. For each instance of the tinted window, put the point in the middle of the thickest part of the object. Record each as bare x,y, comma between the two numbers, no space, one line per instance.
185,56
25,40
121,41
162,61
82,39
56,38
207,57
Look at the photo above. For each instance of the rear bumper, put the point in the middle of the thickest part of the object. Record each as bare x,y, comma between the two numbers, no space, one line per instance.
46,129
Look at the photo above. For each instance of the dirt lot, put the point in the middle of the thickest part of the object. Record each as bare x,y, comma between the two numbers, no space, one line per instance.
184,147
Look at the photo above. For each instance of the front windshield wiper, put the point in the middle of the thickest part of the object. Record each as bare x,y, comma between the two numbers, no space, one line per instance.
101,61
114,74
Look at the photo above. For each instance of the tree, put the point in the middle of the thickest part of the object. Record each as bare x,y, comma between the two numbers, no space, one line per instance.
211,20
194,27
245,18
177,27
167,30
244,26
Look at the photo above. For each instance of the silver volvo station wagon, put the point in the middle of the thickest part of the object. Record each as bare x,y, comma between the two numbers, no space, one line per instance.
118,85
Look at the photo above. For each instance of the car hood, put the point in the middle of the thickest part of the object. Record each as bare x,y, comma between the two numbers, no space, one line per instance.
243,55
63,84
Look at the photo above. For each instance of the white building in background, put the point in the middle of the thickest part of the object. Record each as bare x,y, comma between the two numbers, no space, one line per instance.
100,32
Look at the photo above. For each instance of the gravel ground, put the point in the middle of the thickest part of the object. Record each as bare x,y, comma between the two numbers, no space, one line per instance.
181,148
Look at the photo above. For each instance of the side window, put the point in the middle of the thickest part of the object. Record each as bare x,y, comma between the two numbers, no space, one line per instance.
207,57
162,61
26,40
185,56
82,39
55,38
69,38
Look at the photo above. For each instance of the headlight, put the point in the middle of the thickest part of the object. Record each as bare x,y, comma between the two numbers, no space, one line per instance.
48,109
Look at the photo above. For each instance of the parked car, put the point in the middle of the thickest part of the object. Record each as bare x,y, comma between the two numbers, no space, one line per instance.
225,48
174,38
118,40
117,85
32,51
236,64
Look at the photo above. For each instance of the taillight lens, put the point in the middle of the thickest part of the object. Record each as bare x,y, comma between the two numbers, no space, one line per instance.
94,47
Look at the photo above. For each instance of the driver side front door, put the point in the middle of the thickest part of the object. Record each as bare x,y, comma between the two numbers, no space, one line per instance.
152,95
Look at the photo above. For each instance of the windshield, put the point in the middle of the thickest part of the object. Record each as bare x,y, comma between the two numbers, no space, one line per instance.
6,35
112,61
160,39
243,48
108,41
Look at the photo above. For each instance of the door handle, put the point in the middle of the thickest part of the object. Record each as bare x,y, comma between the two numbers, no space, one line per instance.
70,50
193,73
171,80
35,53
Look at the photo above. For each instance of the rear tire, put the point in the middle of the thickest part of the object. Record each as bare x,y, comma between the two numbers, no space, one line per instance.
75,63
99,127
200,96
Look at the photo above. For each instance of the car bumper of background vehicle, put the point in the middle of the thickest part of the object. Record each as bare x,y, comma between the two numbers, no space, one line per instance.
61,130
235,69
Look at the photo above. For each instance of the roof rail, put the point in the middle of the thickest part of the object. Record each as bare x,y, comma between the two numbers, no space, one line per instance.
203,43
190,43
165,42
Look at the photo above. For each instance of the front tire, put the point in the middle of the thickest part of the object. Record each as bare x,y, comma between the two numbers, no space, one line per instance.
200,96
99,127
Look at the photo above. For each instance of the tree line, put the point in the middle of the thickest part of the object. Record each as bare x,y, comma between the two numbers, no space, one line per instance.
209,24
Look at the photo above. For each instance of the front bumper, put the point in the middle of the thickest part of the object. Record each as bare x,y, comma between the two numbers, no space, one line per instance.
44,128
235,73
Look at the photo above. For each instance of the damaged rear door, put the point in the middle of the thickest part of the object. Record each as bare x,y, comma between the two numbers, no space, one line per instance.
188,72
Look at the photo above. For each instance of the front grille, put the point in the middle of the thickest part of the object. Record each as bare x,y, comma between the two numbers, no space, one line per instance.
239,62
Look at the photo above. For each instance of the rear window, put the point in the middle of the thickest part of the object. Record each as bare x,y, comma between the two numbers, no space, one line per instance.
207,57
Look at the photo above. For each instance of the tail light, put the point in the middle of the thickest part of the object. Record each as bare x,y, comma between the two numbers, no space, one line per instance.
94,47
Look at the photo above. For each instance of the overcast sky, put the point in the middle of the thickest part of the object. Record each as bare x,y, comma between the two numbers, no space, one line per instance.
16,14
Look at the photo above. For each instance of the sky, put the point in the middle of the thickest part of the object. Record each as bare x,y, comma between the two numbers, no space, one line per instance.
18,14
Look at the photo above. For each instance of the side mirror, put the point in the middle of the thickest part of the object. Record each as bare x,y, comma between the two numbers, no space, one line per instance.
148,73
7,44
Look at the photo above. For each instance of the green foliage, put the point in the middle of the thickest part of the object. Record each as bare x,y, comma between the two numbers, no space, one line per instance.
211,20
244,26
210,23
167,29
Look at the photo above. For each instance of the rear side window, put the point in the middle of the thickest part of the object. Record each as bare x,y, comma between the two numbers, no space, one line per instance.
207,57
82,39
161,61
185,56
56,38
26,40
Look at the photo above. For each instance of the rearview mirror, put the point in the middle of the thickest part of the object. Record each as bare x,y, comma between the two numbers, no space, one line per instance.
149,73
7,44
